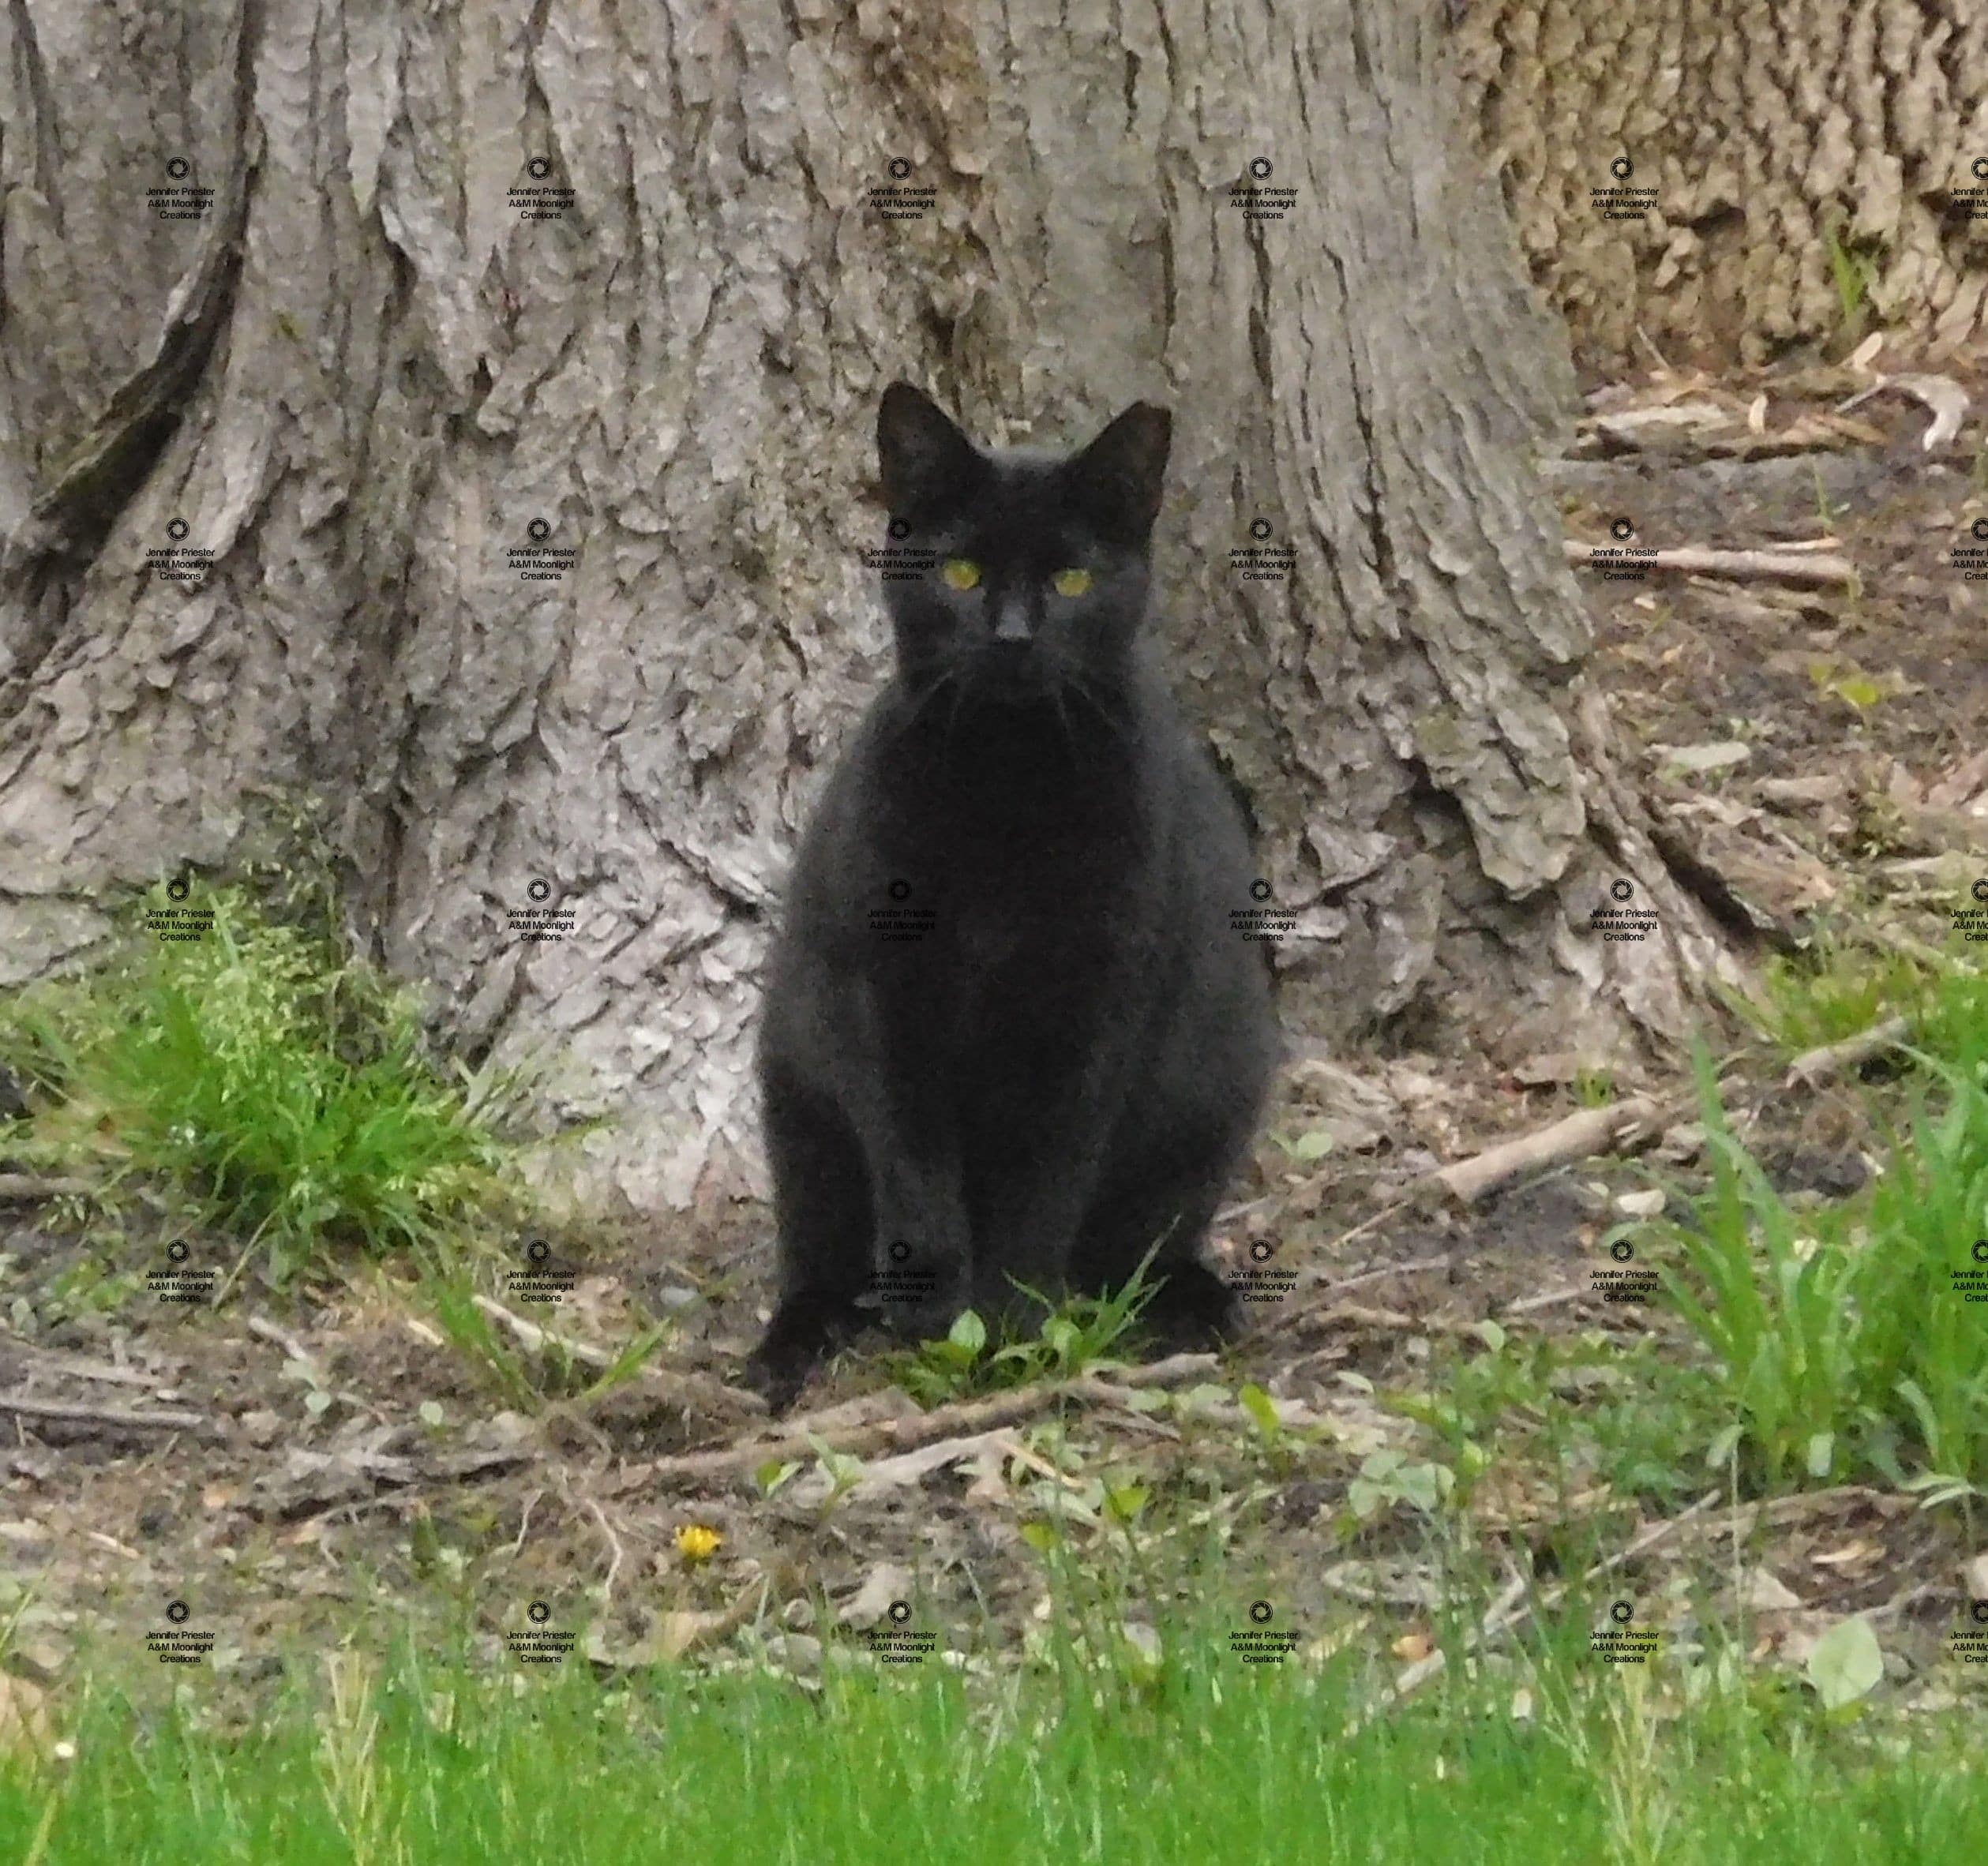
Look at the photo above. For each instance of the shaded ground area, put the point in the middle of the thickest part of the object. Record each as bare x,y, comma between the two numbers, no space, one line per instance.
1817,750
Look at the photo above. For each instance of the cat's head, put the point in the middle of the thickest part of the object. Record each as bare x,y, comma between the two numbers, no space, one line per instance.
1034,566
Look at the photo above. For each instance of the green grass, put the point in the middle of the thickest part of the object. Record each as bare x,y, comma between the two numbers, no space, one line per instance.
1853,268
1173,1750
278,1091
1843,1348
1840,991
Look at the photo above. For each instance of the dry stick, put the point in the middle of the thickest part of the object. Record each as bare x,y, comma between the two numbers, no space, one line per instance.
1738,566
32,1186
264,1329
1597,1130
1310,1317
960,1419
1592,1130
1578,1136
102,1415
1551,1299
539,1338
80,1366
683,1387
1813,1066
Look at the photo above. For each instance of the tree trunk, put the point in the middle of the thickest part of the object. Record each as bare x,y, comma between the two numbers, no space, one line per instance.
373,374
1810,166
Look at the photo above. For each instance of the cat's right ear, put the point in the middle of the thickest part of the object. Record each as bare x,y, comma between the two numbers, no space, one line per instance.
926,463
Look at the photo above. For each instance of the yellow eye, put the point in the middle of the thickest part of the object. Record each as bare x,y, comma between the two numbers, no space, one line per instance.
962,573
1072,582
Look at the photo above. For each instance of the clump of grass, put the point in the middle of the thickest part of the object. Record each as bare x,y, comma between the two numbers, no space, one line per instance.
280,1089
1842,1341
1838,990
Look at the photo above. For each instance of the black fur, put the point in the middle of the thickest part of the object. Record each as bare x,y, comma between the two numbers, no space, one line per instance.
1067,1060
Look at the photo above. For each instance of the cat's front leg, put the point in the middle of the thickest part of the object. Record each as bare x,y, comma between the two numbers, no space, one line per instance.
1033,1162
896,1091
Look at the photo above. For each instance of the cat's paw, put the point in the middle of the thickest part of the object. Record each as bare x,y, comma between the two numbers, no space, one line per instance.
1192,1310
806,1328
778,1379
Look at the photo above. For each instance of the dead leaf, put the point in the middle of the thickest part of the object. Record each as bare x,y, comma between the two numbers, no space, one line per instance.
1765,1593
678,1632
1413,1646
1947,399
883,1587
1714,757
24,1723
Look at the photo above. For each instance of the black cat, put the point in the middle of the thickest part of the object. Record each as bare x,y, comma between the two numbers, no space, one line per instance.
1010,1032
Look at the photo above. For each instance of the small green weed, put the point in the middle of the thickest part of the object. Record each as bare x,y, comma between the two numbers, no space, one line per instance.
1080,1334
1854,267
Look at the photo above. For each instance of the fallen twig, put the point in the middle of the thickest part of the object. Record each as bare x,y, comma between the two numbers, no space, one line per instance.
1601,1130
80,1366
1734,566
33,1186
264,1329
686,1388
538,1340
959,1418
116,1416
1813,1066
1577,1136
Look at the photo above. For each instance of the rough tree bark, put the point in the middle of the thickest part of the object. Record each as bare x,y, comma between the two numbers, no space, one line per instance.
371,372
1766,130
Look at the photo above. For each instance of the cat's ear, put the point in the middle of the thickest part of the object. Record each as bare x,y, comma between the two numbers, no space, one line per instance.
926,463
1118,477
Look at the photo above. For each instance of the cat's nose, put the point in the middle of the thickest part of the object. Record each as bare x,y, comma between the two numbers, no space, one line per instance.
1011,622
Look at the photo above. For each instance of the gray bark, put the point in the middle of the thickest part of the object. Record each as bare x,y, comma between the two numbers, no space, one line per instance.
382,375
1766,130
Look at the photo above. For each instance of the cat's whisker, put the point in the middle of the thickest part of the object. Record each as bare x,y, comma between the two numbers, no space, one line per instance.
952,719
934,688
1063,718
1115,722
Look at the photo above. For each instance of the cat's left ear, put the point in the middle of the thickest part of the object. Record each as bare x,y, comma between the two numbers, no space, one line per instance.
1118,477
926,464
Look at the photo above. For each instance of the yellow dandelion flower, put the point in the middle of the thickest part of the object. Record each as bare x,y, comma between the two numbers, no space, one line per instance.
696,1543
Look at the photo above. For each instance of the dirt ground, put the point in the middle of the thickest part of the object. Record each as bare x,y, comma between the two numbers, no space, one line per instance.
1826,751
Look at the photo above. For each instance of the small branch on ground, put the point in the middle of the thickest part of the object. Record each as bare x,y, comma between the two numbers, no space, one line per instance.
1814,571
690,1390
1510,1608
1603,1130
265,1330
729,1464
33,1186
116,1417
